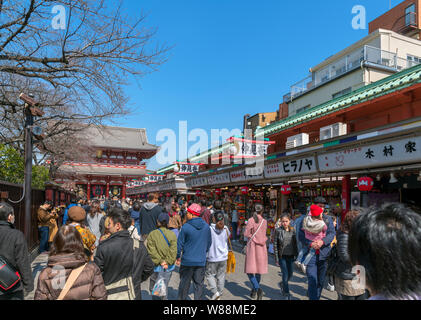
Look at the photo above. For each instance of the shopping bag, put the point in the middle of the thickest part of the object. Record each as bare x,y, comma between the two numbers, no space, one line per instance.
160,287
231,262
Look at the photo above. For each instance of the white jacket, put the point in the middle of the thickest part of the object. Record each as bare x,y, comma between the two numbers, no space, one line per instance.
218,250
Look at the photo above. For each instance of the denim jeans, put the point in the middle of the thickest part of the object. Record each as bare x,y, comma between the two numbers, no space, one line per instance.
187,274
215,276
43,233
255,280
316,275
286,267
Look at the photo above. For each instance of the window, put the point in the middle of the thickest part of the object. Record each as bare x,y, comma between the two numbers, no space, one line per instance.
302,109
410,15
413,60
341,93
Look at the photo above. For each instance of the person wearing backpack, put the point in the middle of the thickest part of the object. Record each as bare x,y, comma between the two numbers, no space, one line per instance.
68,275
123,261
14,250
162,248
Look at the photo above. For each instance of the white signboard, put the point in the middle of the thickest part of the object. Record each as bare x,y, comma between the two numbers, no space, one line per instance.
187,168
249,149
290,168
199,182
247,174
216,179
386,153
237,176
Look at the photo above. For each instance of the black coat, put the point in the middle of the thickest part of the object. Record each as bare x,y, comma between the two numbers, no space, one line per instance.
114,258
285,243
14,248
344,266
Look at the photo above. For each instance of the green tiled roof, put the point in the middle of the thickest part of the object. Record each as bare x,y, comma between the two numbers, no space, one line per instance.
382,87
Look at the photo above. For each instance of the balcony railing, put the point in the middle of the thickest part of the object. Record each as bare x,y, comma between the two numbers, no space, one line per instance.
367,55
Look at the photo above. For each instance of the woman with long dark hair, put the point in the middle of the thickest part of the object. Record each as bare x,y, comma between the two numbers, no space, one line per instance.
66,255
256,262
285,248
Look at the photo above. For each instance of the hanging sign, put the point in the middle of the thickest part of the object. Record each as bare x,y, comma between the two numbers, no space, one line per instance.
187,168
286,189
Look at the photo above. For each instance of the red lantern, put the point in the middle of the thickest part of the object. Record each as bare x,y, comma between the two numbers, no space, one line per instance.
168,194
198,192
218,192
244,190
286,189
365,184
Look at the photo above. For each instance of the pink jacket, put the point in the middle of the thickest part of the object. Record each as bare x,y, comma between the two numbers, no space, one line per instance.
256,252
316,236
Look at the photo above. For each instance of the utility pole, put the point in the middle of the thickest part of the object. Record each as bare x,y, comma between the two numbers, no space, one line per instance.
30,111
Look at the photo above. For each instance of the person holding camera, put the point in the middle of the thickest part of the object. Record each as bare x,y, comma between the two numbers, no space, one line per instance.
14,256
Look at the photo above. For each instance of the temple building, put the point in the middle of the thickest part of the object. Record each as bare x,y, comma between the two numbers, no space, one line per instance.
117,158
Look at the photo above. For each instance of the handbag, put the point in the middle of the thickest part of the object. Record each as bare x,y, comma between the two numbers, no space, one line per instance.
231,258
333,261
249,241
70,281
9,276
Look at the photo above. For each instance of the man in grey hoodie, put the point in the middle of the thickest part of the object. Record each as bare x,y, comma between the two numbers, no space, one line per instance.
149,214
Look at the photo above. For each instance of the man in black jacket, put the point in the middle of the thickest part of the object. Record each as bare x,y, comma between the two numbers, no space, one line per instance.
14,249
124,262
149,214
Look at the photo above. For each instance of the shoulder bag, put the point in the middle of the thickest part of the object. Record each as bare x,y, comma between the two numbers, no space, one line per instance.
251,238
9,276
123,289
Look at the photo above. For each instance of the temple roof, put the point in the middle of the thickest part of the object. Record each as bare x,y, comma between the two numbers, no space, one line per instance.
102,169
120,138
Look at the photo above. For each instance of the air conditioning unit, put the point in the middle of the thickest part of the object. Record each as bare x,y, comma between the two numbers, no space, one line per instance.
334,130
297,140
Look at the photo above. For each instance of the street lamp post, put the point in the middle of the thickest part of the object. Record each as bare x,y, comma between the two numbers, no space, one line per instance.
30,111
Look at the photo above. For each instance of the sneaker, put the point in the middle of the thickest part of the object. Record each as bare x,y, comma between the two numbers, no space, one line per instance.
253,293
288,296
216,296
330,287
303,268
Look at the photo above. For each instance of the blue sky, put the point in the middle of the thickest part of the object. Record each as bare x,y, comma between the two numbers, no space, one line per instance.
233,57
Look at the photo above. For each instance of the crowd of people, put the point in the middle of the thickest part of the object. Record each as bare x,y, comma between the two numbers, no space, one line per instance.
105,249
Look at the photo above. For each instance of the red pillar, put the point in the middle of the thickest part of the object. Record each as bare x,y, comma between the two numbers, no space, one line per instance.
88,190
107,191
346,195
123,190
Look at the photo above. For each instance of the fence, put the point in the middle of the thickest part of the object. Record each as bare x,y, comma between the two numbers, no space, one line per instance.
38,197
53,192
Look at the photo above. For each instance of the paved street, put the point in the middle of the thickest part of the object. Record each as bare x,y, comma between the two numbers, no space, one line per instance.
237,285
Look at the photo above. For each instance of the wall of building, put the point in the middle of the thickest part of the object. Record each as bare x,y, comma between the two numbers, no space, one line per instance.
324,93
365,116
395,18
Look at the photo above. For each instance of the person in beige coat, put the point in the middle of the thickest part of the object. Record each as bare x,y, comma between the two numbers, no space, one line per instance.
67,253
